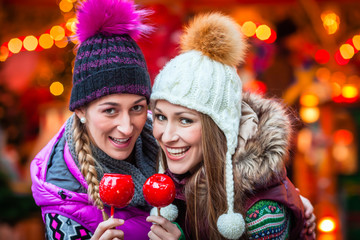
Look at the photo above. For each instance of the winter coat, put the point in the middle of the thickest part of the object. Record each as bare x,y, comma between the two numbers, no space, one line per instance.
259,160
75,205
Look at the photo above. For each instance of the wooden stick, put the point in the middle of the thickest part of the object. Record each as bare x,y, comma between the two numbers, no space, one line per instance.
158,210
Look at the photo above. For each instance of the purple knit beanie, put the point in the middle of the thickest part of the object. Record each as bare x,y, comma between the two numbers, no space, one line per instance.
108,60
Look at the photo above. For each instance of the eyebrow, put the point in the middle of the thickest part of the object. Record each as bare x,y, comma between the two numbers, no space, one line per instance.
177,113
116,104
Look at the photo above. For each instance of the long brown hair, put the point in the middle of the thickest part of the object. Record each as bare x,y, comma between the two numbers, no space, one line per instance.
87,163
205,190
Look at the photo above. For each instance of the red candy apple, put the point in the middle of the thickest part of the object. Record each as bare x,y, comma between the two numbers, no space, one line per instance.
116,190
159,190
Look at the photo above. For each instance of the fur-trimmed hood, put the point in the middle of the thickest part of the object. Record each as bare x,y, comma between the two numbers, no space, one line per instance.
263,142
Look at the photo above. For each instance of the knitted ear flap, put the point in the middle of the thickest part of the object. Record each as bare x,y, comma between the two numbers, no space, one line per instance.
169,212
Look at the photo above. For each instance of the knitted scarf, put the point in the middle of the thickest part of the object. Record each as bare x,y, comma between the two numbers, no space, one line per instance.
141,163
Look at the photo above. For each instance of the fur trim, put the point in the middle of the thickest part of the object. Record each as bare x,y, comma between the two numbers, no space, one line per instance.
262,160
110,17
216,36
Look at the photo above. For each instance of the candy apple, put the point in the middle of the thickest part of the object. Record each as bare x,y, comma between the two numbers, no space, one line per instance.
159,190
116,190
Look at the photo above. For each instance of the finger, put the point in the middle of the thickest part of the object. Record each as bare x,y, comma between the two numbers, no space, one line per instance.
161,221
311,220
170,233
112,234
105,225
311,228
298,190
153,236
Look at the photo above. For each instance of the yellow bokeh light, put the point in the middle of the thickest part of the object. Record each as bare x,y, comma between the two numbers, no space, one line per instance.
349,91
331,22
327,224
4,53
56,88
309,114
263,32
70,24
66,6
30,43
356,41
347,51
309,100
248,28
15,45
57,33
46,41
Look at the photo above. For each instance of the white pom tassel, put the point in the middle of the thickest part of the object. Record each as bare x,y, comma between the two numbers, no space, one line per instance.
231,225
169,212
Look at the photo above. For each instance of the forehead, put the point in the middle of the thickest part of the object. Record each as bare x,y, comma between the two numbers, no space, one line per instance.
166,106
120,98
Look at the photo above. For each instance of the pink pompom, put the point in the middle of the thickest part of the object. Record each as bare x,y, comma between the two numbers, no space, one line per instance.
110,17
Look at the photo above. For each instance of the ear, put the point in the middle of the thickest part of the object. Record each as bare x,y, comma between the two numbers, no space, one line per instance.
80,112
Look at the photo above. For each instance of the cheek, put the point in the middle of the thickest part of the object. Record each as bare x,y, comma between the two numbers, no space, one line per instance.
157,130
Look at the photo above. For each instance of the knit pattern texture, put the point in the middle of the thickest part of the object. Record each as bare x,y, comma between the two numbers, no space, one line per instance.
106,65
267,220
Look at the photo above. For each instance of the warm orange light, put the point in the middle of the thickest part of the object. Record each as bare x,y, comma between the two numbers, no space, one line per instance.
309,100
347,51
323,74
309,114
343,136
62,43
65,6
15,45
248,28
327,224
70,24
57,33
56,88
263,32
30,43
331,22
356,41
46,41
4,53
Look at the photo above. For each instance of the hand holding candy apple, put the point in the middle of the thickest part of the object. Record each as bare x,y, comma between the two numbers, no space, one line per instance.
116,190
159,190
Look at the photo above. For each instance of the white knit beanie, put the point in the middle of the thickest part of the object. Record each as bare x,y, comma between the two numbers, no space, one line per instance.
204,78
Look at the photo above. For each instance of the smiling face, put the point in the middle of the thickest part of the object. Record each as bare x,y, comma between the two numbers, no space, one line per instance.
178,131
114,122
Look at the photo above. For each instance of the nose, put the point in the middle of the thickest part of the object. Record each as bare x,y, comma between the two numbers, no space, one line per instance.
124,124
170,133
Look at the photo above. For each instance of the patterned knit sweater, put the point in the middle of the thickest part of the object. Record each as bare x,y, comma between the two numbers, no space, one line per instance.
267,220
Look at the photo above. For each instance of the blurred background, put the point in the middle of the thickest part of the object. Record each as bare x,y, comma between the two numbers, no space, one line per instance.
303,52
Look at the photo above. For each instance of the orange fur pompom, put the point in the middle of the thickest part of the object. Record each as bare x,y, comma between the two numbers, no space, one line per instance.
216,36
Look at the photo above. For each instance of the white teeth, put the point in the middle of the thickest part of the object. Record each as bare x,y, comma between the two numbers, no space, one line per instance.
177,151
120,140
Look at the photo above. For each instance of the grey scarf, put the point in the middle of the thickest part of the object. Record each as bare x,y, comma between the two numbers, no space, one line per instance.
141,163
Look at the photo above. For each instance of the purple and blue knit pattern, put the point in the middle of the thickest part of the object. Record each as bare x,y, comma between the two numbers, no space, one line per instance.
58,227
107,65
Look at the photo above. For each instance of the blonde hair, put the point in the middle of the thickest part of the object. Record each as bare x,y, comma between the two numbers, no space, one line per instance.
87,163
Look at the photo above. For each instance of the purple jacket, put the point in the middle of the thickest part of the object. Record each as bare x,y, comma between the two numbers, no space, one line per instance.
53,199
